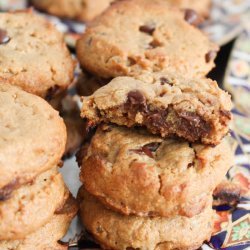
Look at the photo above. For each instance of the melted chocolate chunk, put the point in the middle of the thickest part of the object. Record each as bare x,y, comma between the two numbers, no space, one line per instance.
153,146
164,80
6,191
193,125
147,29
136,101
157,119
166,121
210,56
4,38
148,149
192,17
191,117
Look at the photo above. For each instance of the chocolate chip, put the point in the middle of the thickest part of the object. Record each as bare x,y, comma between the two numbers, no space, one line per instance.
131,61
148,149
192,17
136,98
153,146
191,164
147,29
210,56
157,119
193,125
164,80
191,117
226,113
51,92
4,38
5,192
154,44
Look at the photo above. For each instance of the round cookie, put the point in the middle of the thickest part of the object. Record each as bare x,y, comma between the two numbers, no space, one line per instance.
31,206
115,231
82,10
47,237
195,109
33,138
153,37
33,54
171,177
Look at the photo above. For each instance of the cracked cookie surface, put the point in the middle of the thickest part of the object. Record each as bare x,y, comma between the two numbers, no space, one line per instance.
33,55
19,214
115,231
170,177
195,109
33,137
135,36
82,10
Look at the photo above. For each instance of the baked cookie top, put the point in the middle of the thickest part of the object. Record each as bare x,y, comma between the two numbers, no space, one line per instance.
194,109
82,10
32,140
31,206
115,231
47,236
134,36
171,177
33,55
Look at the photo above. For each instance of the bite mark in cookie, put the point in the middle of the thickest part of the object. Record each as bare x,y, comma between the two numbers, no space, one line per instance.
166,106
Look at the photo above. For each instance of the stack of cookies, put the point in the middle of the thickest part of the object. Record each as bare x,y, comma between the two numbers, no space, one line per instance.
158,152
36,207
35,58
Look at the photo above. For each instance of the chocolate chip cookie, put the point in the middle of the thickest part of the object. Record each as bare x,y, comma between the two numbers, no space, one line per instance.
33,55
33,138
134,36
31,206
46,237
195,109
171,177
115,231
82,10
